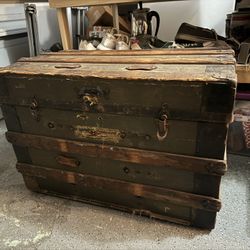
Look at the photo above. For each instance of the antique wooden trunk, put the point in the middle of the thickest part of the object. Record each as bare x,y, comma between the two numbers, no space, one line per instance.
140,131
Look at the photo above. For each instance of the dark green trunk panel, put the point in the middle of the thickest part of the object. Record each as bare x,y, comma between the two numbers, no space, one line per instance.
128,131
181,100
129,203
184,137
144,174
115,197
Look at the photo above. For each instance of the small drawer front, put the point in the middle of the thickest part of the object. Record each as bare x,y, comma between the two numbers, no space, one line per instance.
173,136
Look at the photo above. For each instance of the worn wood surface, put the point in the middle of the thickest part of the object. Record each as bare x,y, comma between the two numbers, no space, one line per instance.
200,165
77,3
20,1
67,161
143,191
196,217
165,65
160,176
163,72
136,59
36,184
145,52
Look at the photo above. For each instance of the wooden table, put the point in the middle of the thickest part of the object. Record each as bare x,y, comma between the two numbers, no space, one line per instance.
61,6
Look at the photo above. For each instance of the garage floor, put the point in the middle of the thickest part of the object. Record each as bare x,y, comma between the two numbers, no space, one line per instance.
33,221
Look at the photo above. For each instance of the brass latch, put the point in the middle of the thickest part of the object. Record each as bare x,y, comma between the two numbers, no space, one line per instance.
90,100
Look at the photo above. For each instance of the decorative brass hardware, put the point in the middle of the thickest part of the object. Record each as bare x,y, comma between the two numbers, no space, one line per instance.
90,100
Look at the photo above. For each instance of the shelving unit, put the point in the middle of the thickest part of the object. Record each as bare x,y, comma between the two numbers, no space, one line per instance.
61,6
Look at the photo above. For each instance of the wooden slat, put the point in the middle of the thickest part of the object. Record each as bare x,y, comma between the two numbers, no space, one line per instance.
64,28
151,52
170,59
188,163
76,3
32,184
115,17
163,72
144,191
20,1
97,15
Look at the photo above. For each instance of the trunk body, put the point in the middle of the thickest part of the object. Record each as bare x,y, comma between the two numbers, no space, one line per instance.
139,131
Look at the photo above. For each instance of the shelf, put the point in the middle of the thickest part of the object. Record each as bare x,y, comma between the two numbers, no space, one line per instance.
76,3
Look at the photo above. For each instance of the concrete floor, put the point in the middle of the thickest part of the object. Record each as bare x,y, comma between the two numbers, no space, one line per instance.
32,221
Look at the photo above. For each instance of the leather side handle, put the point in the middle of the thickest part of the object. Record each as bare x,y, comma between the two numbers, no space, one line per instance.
141,67
68,66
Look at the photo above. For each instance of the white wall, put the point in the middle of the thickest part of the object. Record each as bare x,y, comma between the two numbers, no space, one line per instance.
12,22
205,13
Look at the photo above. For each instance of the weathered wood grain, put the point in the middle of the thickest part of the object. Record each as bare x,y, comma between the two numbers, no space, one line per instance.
64,28
143,191
146,52
137,59
32,183
163,72
67,161
199,165
77,3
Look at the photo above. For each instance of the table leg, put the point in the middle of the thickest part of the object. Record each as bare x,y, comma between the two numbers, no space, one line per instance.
64,28
115,17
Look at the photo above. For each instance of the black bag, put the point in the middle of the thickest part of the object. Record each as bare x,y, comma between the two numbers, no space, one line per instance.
188,33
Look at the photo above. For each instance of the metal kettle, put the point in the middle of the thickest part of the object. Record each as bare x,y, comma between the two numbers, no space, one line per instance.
141,20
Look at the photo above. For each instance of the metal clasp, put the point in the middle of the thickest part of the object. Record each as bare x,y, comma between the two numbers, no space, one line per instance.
90,100
34,109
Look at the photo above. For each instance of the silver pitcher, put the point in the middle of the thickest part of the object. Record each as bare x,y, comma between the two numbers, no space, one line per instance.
141,21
